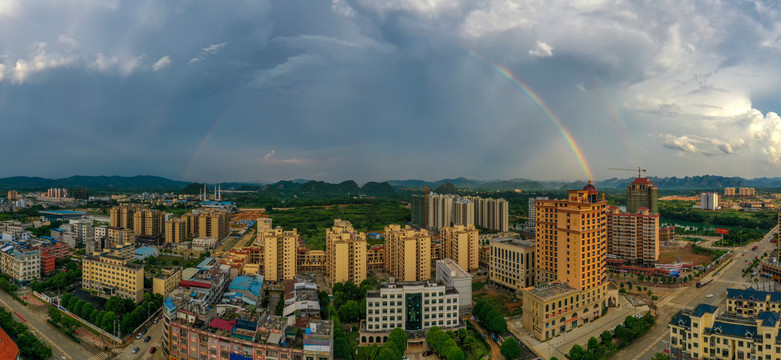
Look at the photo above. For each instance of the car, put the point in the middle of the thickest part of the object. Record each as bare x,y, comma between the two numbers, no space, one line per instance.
146,339
709,296
139,336
156,320
152,350
404,358
135,350
427,353
143,332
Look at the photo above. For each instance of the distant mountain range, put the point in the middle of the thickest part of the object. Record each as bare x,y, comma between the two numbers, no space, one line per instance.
311,188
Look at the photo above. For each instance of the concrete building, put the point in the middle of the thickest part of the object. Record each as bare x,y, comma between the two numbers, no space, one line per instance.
531,221
119,236
167,280
642,193
109,275
83,228
148,222
213,223
345,253
449,209
20,262
461,244
50,252
571,286
730,191
249,287
709,201
747,192
279,253
666,234
451,275
440,210
375,257
144,252
13,195
62,215
310,260
123,216
413,307
418,209
202,321
407,253
633,237
491,213
511,263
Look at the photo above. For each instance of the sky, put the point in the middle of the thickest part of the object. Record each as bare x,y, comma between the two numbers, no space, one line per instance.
389,89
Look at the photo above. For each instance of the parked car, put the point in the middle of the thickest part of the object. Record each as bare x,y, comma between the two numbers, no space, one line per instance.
139,336
709,296
135,350
156,320
152,350
427,353
146,339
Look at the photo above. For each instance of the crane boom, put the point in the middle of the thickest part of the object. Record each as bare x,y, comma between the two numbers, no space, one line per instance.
639,170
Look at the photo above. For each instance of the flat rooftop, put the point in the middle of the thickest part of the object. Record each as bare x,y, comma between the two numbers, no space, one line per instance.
513,241
551,291
455,270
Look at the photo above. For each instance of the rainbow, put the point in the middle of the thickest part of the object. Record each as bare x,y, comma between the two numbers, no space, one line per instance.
205,140
620,121
541,104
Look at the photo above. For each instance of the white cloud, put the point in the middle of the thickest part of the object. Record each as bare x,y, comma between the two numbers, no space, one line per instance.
9,7
500,16
270,158
161,64
194,60
41,61
275,75
542,50
128,67
214,49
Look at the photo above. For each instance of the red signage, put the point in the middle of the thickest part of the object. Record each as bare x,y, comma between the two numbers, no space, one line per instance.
722,231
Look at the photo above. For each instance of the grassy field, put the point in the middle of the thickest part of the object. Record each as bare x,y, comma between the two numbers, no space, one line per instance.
507,305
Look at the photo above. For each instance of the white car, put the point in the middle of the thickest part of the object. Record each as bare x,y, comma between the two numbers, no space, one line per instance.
709,296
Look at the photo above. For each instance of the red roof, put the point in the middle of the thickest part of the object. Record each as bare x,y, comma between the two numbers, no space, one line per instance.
590,187
8,350
190,283
222,324
642,181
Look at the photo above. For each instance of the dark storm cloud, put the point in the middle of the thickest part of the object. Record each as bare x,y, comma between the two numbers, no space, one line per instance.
367,90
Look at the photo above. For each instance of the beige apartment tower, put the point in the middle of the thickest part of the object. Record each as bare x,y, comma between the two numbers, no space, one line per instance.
345,253
279,253
462,245
213,224
175,231
633,237
148,222
407,253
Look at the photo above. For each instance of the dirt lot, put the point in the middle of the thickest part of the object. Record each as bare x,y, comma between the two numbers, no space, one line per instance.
499,299
676,197
248,214
682,249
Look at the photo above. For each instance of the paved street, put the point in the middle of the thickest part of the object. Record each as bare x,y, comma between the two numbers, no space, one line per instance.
689,297
156,332
62,346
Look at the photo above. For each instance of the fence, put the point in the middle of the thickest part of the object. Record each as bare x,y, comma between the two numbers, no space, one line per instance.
90,325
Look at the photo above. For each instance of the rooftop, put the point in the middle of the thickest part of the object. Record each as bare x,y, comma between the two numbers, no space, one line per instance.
144,250
513,241
549,291
62,212
8,349
455,270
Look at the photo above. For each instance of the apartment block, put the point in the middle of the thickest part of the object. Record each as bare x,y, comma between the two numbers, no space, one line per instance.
407,253
21,263
642,193
123,216
451,275
571,248
175,231
512,263
166,280
410,306
279,253
311,260
531,218
116,236
50,252
709,201
633,237
148,222
375,257
491,213
448,210
747,192
345,253
109,275
213,223
730,191
461,243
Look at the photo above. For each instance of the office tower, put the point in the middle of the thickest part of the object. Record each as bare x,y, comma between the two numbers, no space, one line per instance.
512,263
408,253
462,245
642,193
345,253
279,253
709,201
570,264
633,237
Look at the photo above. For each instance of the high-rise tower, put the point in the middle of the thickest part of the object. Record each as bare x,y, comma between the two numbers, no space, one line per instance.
642,193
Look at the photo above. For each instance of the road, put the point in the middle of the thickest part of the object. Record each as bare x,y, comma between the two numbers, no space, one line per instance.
688,297
62,346
156,332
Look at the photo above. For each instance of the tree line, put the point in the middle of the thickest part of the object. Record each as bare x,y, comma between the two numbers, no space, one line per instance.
130,315
30,347
492,319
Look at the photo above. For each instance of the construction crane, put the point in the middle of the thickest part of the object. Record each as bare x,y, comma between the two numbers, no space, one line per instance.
639,170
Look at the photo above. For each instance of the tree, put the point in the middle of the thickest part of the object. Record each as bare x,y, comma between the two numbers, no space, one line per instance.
576,352
386,353
498,324
350,312
399,337
661,356
76,310
478,306
367,352
606,337
593,347
342,349
510,349
54,315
